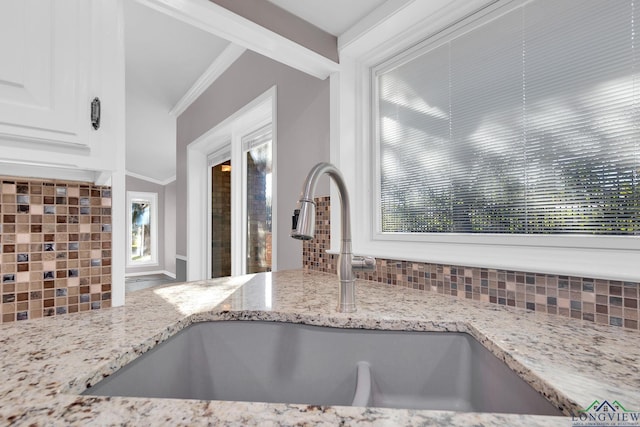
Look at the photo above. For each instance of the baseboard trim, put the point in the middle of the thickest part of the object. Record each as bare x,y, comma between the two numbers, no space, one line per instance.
146,273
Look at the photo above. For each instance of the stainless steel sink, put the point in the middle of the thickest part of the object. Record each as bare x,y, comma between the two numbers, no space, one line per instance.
295,363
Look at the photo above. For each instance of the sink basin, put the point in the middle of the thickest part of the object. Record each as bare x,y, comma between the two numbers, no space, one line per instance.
296,363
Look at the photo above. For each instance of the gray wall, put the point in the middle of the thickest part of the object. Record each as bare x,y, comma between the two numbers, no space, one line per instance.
135,184
270,16
302,129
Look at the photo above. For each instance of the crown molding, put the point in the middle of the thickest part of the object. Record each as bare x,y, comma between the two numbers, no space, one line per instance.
149,179
228,56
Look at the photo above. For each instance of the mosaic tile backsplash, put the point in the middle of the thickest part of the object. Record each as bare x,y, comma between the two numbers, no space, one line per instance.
601,301
55,247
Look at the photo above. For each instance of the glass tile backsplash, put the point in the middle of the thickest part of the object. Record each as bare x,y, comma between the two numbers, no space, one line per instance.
608,302
55,247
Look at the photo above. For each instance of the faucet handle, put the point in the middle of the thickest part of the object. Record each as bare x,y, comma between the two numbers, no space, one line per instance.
363,263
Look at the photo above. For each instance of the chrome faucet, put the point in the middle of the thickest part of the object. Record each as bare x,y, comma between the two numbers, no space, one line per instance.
303,228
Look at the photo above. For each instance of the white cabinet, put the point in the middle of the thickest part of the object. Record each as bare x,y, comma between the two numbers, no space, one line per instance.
44,69
54,59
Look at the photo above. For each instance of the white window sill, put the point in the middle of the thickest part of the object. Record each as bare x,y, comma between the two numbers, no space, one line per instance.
609,264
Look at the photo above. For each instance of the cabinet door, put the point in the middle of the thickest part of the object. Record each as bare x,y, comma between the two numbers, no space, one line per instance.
45,50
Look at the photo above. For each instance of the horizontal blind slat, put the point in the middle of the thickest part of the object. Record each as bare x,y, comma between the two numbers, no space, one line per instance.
525,125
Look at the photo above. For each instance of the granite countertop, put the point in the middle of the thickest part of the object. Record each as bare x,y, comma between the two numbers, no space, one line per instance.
46,363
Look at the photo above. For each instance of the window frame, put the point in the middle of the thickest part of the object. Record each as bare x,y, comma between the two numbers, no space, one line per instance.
152,198
607,257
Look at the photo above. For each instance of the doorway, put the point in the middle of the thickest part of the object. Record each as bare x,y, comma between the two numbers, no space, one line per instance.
249,139
221,219
253,215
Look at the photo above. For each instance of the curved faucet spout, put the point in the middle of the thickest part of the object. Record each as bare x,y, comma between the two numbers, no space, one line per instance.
306,202
303,228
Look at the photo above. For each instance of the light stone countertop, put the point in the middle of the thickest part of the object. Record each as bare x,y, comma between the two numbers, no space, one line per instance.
46,363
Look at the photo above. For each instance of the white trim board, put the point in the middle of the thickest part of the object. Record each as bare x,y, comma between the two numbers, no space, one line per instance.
149,179
23,169
403,23
210,75
147,273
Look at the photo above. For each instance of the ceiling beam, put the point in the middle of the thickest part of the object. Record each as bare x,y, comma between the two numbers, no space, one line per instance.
221,22
285,23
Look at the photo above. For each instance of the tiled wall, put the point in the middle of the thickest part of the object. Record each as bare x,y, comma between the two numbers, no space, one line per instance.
609,302
55,247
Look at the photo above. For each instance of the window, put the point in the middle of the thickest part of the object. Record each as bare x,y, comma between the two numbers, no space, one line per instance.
142,229
523,121
512,93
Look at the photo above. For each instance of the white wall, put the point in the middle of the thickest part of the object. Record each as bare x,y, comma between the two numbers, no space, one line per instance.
170,227
148,119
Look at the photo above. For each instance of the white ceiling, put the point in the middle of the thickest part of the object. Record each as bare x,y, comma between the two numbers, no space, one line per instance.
333,16
165,54
165,57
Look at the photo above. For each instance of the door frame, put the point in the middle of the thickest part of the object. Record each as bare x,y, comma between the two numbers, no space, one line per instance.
257,113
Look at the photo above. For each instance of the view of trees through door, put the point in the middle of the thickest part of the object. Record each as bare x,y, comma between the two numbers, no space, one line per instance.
221,219
259,238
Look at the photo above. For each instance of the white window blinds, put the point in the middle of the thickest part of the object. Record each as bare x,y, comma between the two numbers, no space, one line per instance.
525,124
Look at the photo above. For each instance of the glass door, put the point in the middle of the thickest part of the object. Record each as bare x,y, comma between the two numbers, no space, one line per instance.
220,219
258,245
